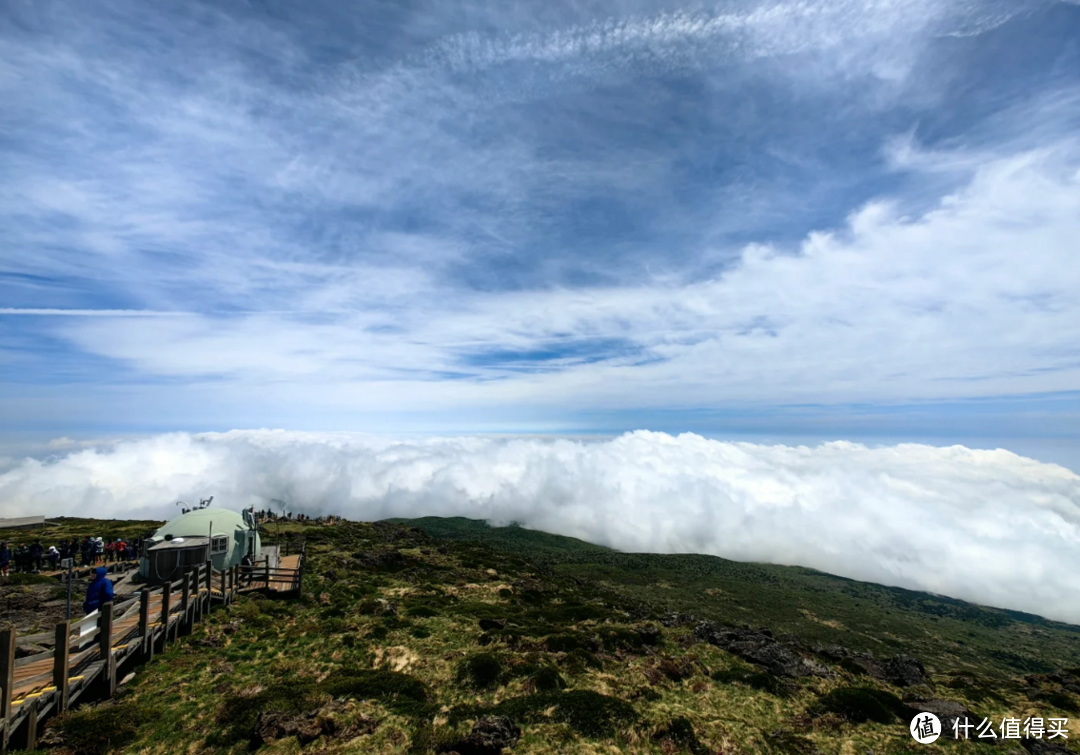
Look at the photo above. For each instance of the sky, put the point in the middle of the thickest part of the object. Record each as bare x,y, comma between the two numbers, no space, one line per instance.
771,222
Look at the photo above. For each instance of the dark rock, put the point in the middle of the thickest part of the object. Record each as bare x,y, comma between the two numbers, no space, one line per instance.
759,648
649,635
488,737
380,559
489,624
901,670
331,575
271,727
672,619
904,671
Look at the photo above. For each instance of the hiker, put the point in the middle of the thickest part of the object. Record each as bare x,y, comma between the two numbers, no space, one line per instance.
99,551
99,591
5,559
53,556
37,551
86,550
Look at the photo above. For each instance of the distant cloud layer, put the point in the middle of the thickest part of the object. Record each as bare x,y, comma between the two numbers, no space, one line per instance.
986,526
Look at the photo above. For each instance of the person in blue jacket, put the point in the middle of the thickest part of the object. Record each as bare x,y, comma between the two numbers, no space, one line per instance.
99,591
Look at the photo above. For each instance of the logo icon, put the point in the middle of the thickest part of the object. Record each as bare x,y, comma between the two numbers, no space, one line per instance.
925,728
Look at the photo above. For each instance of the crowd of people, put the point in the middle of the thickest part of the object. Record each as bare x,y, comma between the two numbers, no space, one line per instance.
35,557
270,516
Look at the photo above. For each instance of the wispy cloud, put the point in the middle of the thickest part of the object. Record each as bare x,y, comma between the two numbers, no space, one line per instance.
88,312
666,208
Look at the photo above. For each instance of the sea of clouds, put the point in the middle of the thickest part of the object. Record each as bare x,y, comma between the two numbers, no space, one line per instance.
987,526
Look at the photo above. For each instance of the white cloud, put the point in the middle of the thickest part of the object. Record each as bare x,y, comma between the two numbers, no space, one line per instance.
973,298
986,526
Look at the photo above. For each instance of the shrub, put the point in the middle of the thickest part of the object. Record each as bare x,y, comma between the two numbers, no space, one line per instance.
756,679
588,713
851,666
680,732
860,704
481,670
547,679
420,633
399,692
564,643
22,578
1059,699
101,729
580,660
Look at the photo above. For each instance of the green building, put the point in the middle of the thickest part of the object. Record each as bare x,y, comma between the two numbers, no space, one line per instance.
205,534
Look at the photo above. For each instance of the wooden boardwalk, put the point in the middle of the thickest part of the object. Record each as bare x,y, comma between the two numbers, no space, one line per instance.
85,655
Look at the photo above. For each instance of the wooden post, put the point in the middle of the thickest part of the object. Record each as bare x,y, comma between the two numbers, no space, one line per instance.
199,581
108,670
166,594
185,601
209,584
300,570
61,664
267,572
236,580
7,679
32,724
146,634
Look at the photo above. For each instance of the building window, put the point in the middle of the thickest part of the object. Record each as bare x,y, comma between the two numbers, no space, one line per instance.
219,545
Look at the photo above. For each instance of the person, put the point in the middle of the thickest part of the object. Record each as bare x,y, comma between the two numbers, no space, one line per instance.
5,559
37,552
86,550
99,551
53,556
99,591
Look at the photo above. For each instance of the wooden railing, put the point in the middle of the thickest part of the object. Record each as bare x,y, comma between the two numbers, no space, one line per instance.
85,654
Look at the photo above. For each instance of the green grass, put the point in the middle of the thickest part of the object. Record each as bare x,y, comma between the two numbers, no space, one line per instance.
819,608
395,659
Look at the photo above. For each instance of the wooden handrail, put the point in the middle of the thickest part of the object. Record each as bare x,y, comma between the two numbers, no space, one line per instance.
27,660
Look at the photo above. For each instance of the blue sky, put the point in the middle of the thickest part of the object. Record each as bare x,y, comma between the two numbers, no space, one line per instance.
750,219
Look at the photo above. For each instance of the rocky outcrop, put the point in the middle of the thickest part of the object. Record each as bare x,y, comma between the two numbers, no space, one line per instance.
307,727
489,736
760,647
900,670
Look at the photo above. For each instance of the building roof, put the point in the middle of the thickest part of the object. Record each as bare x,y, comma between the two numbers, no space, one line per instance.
197,523
181,542
22,521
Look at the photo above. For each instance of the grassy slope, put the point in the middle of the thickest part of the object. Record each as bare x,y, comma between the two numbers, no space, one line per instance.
400,672
948,634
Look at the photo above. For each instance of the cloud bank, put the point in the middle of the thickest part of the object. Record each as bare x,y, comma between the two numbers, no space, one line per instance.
991,527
